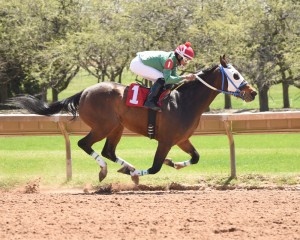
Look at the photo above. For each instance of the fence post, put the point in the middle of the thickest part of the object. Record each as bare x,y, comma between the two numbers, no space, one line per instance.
68,150
232,148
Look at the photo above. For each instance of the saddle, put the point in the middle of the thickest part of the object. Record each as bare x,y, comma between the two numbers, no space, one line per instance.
137,95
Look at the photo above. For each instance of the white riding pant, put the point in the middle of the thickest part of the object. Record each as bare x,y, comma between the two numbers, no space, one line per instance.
144,71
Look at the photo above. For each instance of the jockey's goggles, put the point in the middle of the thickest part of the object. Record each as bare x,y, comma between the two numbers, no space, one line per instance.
186,60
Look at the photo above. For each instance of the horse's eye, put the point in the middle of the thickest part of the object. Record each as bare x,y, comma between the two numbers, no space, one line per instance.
236,76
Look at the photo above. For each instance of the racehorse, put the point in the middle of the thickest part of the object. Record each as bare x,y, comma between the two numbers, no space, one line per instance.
103,108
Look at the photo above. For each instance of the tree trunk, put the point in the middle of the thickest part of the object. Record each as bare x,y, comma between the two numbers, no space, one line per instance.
44,94
54,95
227,101
103,73
3,92
285,91
286,100
263,99
120,76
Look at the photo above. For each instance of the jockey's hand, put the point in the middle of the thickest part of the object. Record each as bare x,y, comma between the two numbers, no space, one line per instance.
190,77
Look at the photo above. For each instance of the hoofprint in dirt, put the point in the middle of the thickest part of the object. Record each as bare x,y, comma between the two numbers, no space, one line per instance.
206,214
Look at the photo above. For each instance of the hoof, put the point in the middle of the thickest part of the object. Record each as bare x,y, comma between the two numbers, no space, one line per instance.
135,179
127,170
124,170
169,162
102,173
178,166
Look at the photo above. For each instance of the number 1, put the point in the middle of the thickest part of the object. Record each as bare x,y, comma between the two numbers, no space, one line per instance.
135,94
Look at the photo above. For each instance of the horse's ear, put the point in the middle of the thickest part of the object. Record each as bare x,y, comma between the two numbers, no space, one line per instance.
223,61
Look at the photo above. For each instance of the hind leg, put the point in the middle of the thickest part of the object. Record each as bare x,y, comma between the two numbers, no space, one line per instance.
86,144
109,151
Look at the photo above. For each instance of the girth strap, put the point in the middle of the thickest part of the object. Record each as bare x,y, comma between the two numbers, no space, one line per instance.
151,123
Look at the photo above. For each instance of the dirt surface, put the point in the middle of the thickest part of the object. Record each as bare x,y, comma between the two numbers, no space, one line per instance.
173,214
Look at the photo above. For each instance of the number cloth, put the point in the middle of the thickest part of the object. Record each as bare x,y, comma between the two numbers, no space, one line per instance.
137,95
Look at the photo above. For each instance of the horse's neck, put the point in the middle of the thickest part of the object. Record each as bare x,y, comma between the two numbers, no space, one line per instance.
198,98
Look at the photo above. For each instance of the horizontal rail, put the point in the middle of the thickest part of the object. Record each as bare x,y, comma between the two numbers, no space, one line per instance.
210,124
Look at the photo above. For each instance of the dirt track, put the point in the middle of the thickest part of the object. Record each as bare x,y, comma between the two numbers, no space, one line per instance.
208,214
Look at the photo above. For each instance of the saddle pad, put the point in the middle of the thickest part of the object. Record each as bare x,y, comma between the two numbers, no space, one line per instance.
137,95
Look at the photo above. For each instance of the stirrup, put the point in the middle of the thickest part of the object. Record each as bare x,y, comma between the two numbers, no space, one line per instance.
152,105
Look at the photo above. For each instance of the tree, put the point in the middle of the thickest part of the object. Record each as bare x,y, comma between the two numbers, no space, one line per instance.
218,29
31,37
267,47
44,43
103,48
16,42
289,46
55,67
54,64
161,25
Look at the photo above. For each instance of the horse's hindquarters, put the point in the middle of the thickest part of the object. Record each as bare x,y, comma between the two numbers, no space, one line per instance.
99,104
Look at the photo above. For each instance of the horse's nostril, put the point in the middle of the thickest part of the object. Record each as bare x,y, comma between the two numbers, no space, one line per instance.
253,93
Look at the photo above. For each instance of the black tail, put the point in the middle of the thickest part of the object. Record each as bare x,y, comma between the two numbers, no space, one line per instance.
34,105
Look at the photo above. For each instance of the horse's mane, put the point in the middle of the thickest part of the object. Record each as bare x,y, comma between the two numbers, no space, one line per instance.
208,70
202,74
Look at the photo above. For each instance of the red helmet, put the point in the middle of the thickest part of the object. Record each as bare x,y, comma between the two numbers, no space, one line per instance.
185,51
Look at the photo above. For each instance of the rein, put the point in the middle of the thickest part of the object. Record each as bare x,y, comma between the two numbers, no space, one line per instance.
237,93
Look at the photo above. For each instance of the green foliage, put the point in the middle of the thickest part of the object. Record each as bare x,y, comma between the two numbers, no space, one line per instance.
84,80
50,40
268,49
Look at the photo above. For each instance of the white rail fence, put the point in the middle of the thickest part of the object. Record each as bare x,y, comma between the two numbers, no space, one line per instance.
210,124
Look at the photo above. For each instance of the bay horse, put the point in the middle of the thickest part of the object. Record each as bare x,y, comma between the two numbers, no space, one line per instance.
103,108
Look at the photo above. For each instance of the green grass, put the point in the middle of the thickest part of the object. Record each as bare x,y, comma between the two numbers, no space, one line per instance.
84,80
28,158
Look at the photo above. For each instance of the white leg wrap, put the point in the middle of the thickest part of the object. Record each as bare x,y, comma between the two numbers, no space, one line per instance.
122,162
98,159
183,164
139,172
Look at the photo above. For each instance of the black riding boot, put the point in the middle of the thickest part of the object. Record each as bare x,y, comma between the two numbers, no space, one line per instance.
152,97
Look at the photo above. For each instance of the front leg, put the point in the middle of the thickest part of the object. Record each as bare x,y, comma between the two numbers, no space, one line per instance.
187,147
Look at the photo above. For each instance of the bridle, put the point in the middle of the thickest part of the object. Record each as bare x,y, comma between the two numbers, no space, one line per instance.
236,93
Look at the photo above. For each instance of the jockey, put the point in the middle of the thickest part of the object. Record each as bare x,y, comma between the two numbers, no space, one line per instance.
160,67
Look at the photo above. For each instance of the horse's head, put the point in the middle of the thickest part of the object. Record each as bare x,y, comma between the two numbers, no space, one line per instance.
236,84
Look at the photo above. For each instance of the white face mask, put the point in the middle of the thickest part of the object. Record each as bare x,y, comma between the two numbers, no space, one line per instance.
235,79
